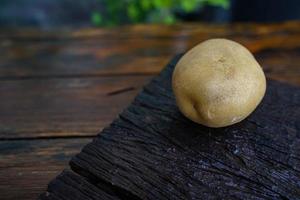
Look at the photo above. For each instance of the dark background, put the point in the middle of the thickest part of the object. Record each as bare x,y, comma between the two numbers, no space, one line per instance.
49,14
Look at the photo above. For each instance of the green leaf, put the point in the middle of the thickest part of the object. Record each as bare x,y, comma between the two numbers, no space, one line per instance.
133,12
96,18
169,19
162,3
223,3
151,11
115,6
146,4
189,5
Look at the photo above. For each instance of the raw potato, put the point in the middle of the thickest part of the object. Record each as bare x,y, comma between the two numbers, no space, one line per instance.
218,83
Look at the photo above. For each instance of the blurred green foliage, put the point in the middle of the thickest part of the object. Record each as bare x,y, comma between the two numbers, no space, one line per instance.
117,12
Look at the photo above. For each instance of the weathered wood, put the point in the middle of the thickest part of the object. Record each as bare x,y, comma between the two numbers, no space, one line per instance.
27,166
31,59
282,65
126,50
153,152
68,114
65,187
35,108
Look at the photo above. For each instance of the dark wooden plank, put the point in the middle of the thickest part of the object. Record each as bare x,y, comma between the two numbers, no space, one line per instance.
126,50
153,152
27,166
281,65
39,107
68,183
34,108
32,34
95,52
23,110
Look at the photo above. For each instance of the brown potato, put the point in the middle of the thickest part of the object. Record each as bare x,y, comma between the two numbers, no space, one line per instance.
218,83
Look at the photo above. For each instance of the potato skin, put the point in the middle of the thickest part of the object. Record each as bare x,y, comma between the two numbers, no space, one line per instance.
218,83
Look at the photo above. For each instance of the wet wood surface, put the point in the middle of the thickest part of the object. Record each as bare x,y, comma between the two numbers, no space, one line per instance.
59,89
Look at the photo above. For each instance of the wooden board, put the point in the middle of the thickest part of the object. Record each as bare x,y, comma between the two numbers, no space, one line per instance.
64,185
35,60
281,65
127,50
43,108
152,152
27,166
54,107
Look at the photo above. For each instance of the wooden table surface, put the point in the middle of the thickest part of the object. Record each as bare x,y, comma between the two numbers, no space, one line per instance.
58,89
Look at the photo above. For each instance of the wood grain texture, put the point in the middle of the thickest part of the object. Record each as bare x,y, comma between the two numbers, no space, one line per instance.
35,108
26,166
72,83
37,69
153,152
281,65
66,181
127,50
58,107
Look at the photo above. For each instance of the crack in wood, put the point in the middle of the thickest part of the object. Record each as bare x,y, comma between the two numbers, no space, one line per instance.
120,91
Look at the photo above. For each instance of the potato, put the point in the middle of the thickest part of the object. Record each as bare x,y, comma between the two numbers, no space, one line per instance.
218,83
